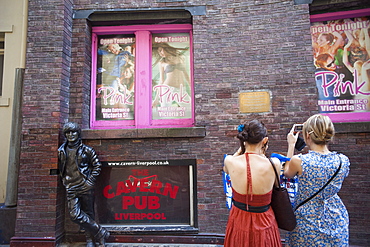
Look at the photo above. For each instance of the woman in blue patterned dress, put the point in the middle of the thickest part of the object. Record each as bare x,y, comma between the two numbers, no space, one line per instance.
323,220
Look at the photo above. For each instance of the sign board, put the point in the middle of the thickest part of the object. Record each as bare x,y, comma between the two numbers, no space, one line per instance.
256,101
155,192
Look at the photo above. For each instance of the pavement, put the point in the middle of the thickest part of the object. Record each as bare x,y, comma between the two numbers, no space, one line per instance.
145,245
135,245
142,245
148,245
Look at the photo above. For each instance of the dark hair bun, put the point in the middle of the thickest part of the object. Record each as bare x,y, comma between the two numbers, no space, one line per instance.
253,132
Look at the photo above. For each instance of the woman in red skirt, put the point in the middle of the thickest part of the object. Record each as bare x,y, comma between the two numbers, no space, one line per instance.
251,220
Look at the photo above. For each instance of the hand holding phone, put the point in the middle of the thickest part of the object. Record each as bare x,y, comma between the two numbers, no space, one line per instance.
293,137
297,128
300,144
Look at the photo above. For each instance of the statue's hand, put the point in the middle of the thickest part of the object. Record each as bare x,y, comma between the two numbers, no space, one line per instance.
89,184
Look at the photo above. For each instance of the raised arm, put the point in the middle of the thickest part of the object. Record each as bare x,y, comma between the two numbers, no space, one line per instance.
292,167
338,43
345,51
364,37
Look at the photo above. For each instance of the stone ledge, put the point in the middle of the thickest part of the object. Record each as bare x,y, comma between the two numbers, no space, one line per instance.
154,240
88,134
4,102
356,127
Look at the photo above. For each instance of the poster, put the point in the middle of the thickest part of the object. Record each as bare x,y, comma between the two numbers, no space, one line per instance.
115,83
341,51
146,192
171,77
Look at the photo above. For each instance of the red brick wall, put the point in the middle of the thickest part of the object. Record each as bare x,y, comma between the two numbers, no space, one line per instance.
355,191
45,106
238,46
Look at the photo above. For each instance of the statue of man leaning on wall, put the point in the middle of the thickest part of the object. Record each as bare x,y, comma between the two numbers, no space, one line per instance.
78,167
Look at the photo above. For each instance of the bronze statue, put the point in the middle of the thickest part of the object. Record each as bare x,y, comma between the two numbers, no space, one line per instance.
79,166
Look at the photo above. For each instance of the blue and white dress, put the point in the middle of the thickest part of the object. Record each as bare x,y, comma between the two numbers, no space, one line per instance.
322,221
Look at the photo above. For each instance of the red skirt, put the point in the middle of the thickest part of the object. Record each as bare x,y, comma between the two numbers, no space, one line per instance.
247,229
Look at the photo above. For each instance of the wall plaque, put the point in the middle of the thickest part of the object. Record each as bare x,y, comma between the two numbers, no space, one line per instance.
256,101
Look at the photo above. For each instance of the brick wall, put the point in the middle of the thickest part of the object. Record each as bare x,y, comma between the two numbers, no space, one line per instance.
238,46
79,110
355,191
232,42
46,96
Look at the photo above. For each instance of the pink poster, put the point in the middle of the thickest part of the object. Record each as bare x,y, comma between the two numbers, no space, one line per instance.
171,76
341,51
115,82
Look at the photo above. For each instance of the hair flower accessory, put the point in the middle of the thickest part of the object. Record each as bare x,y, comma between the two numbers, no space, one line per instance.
240,128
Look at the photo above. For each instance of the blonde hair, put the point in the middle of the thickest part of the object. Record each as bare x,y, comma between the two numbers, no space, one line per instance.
320,128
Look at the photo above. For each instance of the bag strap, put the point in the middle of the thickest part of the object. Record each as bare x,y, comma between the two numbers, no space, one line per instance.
323,187
276,174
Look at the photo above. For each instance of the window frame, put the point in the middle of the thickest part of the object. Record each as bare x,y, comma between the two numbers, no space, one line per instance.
143,74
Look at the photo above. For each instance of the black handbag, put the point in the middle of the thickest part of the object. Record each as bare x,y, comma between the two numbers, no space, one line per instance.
280,204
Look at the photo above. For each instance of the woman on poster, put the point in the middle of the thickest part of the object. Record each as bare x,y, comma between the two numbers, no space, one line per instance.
172,71
328,43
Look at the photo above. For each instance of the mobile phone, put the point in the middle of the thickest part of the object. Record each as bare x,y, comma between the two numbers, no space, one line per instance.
300,144
297,127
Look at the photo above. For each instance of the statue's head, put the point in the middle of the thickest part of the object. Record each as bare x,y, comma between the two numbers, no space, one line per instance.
71,127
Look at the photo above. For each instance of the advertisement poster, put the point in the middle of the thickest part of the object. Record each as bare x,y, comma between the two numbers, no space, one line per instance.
171,77
341,51
145,192
115,81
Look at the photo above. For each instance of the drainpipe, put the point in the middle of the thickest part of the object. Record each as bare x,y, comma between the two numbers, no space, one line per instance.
15,141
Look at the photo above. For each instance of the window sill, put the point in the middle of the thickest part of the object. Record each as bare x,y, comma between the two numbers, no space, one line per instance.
89,134
4,102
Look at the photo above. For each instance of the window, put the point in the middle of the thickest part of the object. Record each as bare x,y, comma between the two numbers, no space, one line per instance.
142,77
